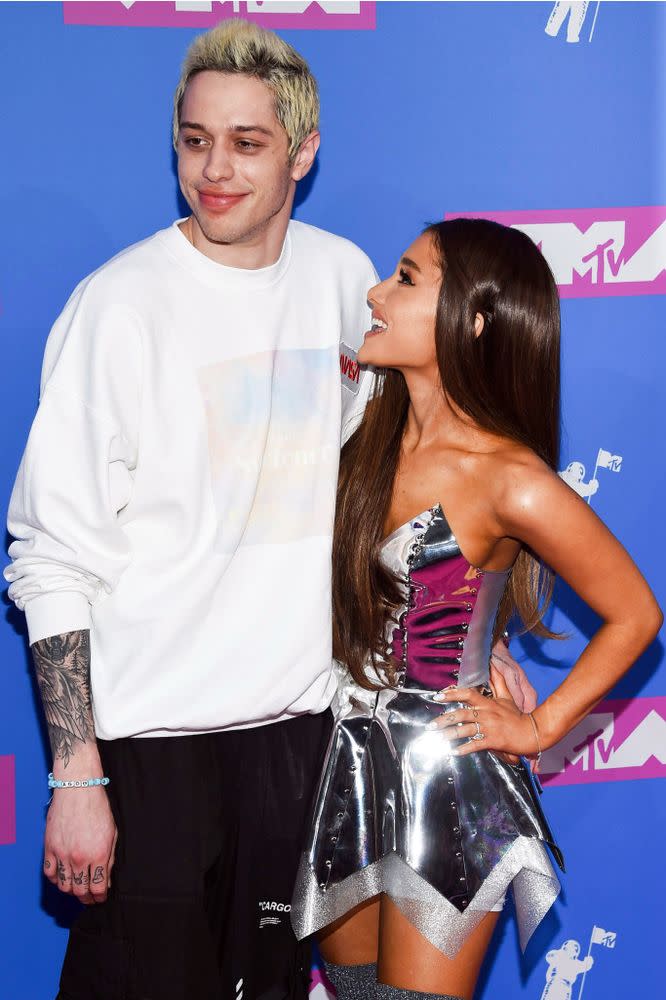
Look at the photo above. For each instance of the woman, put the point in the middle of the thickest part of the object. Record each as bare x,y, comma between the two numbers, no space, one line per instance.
451,519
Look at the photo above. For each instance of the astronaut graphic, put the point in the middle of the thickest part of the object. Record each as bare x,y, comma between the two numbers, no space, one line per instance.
576,13
574,474
564,968
564,965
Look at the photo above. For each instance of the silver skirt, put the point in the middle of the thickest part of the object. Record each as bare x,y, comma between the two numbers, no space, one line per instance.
443,836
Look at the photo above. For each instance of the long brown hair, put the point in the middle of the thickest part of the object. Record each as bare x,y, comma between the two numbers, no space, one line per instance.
507,380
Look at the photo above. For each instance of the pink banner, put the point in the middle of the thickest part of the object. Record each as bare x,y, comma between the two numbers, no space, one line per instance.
621,740
7,801
595,252
275,14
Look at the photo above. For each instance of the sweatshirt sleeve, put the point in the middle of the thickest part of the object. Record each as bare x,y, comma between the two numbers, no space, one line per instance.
358,390
76,473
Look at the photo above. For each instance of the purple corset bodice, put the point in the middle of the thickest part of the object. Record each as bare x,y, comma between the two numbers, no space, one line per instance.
445,630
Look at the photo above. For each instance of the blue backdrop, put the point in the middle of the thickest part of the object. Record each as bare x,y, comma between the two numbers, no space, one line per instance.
439,108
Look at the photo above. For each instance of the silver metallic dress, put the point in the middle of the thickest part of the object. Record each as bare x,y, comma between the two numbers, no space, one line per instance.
395,812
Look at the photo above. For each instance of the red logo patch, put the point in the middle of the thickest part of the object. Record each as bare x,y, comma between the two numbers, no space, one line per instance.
349,368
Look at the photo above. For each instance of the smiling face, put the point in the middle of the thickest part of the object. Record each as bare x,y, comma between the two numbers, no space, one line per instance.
404,308
233,163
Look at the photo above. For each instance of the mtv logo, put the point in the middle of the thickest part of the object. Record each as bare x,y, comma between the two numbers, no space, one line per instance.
597,252
605,938
276,14
606,460
619,740
275,6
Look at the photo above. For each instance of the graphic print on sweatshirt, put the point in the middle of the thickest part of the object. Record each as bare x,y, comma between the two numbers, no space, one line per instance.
273,435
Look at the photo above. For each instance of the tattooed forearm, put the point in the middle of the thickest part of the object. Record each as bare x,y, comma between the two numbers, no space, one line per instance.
62,665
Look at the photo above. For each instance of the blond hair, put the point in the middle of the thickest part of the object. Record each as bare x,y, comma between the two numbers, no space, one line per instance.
237,46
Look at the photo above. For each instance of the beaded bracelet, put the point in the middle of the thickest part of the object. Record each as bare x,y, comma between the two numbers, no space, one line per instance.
80,783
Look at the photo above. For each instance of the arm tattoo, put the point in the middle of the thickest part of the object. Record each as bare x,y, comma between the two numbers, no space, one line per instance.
62,665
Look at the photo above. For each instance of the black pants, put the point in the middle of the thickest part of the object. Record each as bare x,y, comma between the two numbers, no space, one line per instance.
210,831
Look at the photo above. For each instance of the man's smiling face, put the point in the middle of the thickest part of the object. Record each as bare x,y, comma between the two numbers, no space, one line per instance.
233,159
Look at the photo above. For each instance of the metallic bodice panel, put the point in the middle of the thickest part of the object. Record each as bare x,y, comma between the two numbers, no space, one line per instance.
396,811
445,631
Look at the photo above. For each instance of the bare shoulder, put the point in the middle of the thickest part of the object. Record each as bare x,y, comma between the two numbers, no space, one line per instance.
535,507
524,486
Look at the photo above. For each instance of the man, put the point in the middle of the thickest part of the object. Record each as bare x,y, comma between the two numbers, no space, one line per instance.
173,516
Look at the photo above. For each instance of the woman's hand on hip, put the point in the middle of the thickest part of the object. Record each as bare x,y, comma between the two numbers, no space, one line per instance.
487,723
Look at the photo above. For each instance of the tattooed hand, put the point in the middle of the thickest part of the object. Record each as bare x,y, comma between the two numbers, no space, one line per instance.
80,831
80,843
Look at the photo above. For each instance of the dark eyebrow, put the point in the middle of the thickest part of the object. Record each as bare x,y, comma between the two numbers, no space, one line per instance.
408,262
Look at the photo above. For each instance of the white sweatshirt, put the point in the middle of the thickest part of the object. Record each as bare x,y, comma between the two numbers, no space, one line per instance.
177,491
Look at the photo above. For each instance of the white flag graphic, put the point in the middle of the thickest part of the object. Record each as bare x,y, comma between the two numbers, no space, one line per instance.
605,938
606,460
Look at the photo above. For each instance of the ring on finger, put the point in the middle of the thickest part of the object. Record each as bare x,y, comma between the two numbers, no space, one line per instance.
478,735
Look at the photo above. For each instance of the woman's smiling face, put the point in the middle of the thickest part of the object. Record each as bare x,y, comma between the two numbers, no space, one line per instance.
404,308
